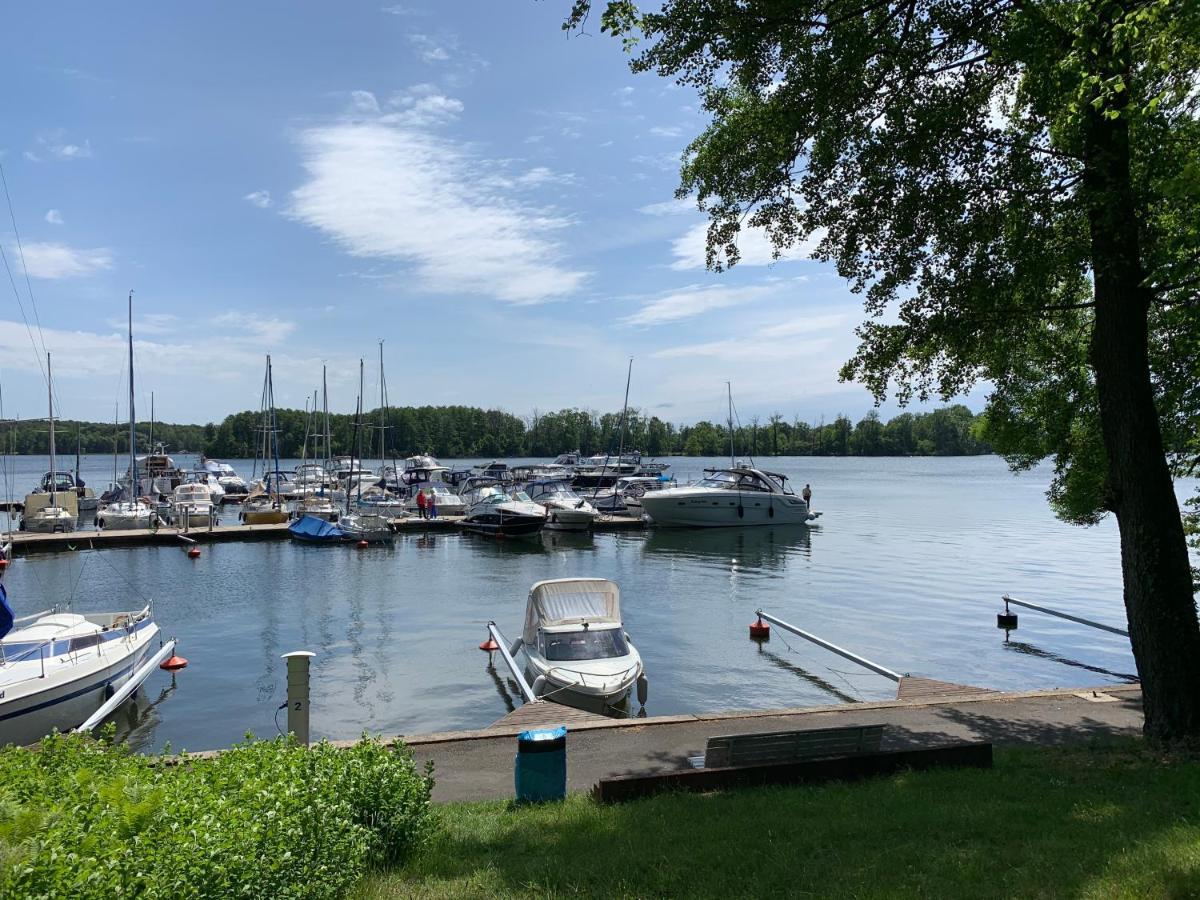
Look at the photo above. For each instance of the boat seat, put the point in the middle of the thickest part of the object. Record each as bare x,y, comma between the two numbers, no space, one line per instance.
775,747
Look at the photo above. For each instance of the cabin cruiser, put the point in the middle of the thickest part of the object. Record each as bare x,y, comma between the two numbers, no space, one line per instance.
61,482
366,527
311,478
603,471
424,473
51,512
740,495
565,509
492,511
318,507
124,514
347,472
569,460
57,668
156,475
497,469
380,502
231,482
202,476
192,505
575,647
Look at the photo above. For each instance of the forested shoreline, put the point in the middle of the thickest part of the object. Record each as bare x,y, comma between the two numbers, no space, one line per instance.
461,431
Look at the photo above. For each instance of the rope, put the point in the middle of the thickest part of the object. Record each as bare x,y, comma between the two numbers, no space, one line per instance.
12,281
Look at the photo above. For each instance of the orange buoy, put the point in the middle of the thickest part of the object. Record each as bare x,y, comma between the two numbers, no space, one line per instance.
363,545
760,630
194,553
173,664
489,645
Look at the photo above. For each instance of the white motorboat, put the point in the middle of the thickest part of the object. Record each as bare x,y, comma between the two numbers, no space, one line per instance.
626,495
124,514
728,498
64,482
192,506
381,503
216,492
425,474
53,512
575,646
56,669
494,512
311,478
565,509
317,506
231,482
366,527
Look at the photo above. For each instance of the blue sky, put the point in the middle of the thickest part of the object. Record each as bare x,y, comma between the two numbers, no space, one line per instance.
461,180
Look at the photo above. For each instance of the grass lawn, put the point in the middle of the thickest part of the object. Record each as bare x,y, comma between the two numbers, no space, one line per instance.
1106,821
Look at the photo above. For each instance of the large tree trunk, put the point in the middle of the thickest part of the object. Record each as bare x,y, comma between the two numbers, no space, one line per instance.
1159,600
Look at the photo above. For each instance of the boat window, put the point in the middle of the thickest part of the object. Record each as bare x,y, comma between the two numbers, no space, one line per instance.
727,480
751,483
84,641
565,646
520,495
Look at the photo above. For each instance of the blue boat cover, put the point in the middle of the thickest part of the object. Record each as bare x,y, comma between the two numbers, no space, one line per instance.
310,528
6,613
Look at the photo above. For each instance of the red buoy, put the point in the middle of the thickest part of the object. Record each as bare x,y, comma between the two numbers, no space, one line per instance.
760,630
489,645
173,664
194,553
363,545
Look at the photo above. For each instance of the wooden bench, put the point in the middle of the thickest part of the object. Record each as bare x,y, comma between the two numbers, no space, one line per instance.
778,747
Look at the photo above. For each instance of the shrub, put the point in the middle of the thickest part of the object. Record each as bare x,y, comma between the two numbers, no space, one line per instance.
85,818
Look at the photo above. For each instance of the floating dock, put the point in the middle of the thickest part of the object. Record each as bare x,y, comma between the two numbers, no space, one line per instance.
24,544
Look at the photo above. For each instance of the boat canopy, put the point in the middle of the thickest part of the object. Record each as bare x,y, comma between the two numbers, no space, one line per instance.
571,601
316,529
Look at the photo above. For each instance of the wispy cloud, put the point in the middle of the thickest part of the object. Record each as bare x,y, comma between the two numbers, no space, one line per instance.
770,343
669,208
53,261
54,145
254,328
431,49
691,301
665,131
54,217
261,199
151,323
390,187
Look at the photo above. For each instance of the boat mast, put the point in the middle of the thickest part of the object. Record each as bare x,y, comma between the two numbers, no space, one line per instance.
116,431
732,453
152,421
382,415
50,394
134,486
358,431
325,401
274,426
624,419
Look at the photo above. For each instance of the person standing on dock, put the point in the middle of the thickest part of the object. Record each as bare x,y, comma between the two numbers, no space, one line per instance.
421,502
807,495
431,504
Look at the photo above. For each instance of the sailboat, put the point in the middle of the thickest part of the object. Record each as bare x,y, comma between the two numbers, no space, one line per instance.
57,509
128,511
266,507
362,526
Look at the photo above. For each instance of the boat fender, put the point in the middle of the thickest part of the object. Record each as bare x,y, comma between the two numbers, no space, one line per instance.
516,646
539,686
770,510
643,688
741,510
109,690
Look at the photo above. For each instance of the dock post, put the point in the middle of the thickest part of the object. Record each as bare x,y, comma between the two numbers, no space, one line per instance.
297,693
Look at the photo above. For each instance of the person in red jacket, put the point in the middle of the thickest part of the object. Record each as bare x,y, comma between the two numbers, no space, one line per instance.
421,503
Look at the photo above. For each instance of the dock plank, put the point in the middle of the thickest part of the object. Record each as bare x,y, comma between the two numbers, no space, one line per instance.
914,688
545,714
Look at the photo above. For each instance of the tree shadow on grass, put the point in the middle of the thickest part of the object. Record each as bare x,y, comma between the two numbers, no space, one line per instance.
1045,822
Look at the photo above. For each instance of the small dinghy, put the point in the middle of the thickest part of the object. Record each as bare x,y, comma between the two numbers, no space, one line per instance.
576,648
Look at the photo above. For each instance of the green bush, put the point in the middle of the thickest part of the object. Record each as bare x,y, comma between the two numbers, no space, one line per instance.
85,818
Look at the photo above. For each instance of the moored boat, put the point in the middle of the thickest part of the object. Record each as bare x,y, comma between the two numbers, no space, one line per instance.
565,509
730,497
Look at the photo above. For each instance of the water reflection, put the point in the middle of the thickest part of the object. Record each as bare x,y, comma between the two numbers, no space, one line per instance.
502,688
495,548
1030,650
568,540
816,680
767,548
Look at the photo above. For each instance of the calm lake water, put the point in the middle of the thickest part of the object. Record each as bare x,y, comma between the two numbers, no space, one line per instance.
906,567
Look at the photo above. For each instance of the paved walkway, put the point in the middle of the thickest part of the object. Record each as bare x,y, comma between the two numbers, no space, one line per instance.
479,765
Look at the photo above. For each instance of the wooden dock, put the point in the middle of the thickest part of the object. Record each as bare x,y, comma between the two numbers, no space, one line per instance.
546,714
25,543
913,688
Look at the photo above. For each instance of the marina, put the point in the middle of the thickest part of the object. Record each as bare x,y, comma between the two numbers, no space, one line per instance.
906,566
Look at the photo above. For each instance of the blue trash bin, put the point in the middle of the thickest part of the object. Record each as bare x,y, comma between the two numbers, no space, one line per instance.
541,765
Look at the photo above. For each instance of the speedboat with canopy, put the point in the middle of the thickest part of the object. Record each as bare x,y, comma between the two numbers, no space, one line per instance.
729,497
575,646
565,509
494,512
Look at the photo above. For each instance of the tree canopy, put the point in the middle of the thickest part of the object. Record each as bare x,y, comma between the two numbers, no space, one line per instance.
1013,186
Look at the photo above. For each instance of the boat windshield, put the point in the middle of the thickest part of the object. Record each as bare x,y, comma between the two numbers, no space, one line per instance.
737,481
520,495
564,646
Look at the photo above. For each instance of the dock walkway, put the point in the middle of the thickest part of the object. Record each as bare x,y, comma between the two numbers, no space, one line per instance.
25,543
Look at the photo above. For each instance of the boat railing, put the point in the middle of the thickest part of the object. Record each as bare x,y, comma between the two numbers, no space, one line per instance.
582,677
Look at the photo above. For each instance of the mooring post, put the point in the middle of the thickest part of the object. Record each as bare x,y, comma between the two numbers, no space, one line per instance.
297,693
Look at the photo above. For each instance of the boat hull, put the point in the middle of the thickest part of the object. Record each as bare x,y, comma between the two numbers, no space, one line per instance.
725,509
511,525
560,518
32,709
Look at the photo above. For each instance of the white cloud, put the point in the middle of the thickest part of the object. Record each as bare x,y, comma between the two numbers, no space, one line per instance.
666,131
431,50
692,301
422,107
391,189
669,208
261,199
54,145
363,101
254,328
54,217
772,342
51,261
624,95
753,244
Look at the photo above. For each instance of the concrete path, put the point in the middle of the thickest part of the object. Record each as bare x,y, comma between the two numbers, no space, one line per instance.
479,765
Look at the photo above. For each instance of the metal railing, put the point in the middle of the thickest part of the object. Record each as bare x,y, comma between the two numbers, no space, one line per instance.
517,674
831,647
1062,615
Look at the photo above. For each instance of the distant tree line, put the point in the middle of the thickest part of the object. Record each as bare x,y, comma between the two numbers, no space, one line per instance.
463,431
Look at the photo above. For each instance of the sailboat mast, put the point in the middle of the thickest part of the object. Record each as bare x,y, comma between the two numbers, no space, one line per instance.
274,425
50,394
358,430
382,417
134,486
624,420
325,401
116,431
152,421
732,452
